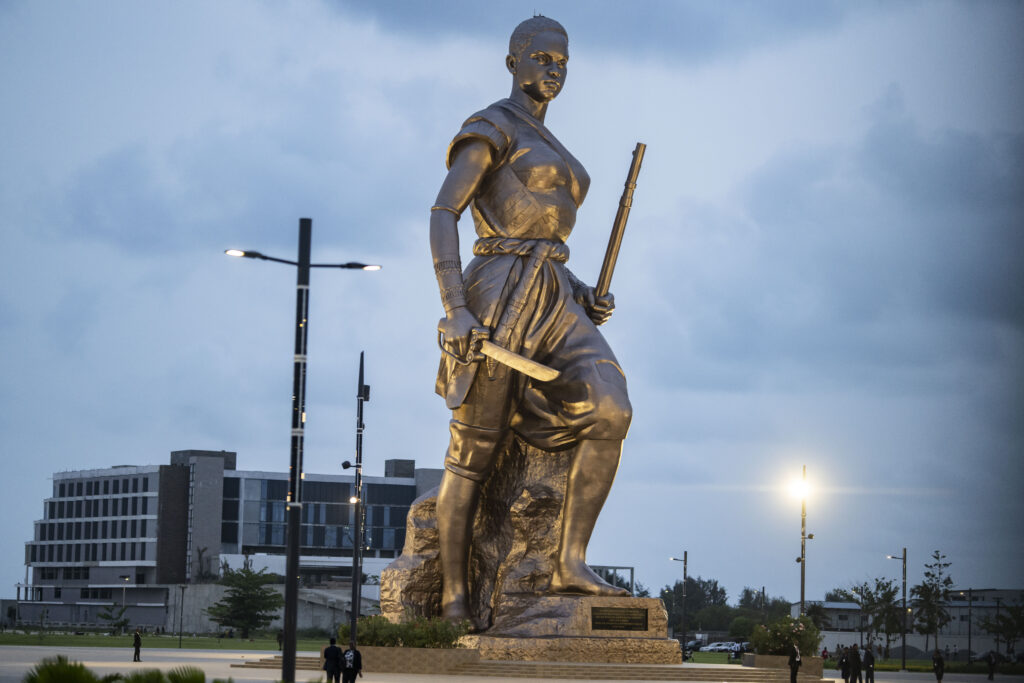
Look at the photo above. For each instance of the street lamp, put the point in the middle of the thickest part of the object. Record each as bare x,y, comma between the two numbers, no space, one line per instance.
683,611
970,605
903,628
362,395
181,613
298,423
800,490
124,589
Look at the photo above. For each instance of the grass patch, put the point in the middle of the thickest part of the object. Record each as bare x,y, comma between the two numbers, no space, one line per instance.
59,639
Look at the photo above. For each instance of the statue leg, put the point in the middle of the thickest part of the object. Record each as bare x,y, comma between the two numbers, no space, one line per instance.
456,507
590,479
471,453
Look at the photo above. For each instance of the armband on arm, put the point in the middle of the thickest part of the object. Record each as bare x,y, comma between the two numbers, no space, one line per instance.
449,279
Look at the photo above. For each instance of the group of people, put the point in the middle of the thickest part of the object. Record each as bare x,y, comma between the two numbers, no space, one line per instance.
342,666
855,666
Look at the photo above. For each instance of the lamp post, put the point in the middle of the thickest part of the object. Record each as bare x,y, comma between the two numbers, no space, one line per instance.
970,605
801,490
181,613
298,423
682,621
903,619
362,395
124,590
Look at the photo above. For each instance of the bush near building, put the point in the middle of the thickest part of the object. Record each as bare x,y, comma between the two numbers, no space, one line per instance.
777,637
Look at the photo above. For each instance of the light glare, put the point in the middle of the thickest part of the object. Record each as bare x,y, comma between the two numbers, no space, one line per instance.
234,252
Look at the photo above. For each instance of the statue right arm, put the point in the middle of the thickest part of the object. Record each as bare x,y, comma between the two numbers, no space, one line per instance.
471,161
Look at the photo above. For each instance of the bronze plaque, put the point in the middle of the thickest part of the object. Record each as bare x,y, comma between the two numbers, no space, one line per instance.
618,619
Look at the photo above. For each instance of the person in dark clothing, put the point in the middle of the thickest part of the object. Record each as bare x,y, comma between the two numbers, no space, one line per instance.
844,665
137,644
990,659
352,664
855,664
938,665
869,665
794,663
280,639
333,661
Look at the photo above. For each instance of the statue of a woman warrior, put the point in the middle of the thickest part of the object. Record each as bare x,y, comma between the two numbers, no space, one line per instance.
523,188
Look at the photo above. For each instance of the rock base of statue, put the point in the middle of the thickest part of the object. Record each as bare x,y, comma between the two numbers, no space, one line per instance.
515,538
578,628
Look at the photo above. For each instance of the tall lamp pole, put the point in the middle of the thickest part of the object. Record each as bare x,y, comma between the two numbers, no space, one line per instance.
903,620
682,621
362,395
298,425
804,536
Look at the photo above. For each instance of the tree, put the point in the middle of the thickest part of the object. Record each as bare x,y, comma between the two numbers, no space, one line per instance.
741,628
816,613
249,604
115,618
700,593
930,598
1008,625
837,595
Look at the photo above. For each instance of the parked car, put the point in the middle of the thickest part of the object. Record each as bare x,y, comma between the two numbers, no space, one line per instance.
718,647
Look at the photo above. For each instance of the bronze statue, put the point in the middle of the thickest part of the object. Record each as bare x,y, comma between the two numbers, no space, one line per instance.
524,189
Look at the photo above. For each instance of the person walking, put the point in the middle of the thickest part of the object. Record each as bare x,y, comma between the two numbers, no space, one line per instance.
280,639
137,644
990,659
869,665
332,661
855,664
844,665
938,665
794,663
956,652
353,664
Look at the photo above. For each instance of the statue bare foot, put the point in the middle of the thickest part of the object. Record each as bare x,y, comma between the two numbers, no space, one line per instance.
582,579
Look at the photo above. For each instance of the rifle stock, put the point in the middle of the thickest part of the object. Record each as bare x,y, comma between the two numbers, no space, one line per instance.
611,254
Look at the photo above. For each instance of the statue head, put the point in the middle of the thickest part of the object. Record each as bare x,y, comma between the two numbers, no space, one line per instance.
525,31
538,52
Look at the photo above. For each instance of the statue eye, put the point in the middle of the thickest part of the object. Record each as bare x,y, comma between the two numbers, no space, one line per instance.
542,59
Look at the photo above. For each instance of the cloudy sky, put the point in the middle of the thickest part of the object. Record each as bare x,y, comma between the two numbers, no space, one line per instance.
823,266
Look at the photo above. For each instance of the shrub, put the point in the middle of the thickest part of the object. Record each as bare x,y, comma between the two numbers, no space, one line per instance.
185,674
417,632
59,670
777,637
146,676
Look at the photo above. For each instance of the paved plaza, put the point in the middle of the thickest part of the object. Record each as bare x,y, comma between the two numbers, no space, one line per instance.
15,661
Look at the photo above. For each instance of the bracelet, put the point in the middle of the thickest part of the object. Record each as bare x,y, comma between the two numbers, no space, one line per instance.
454,295
448,266
441,207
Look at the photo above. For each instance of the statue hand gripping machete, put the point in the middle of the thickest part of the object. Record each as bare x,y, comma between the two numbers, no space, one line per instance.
522,353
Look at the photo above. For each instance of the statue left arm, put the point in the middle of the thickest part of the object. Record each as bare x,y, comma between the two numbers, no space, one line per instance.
598,309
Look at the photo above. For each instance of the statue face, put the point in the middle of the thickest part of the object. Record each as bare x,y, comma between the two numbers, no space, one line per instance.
540,71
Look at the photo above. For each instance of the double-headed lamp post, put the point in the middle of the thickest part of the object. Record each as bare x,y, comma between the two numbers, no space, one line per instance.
682,621
903,620
298,424
800,490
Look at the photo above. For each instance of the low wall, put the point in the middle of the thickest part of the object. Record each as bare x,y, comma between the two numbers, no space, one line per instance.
813,666
413,660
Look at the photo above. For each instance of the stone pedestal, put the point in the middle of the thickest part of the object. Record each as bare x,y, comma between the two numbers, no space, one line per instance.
515,539
578,628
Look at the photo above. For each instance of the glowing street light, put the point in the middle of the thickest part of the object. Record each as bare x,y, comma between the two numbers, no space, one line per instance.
800,490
